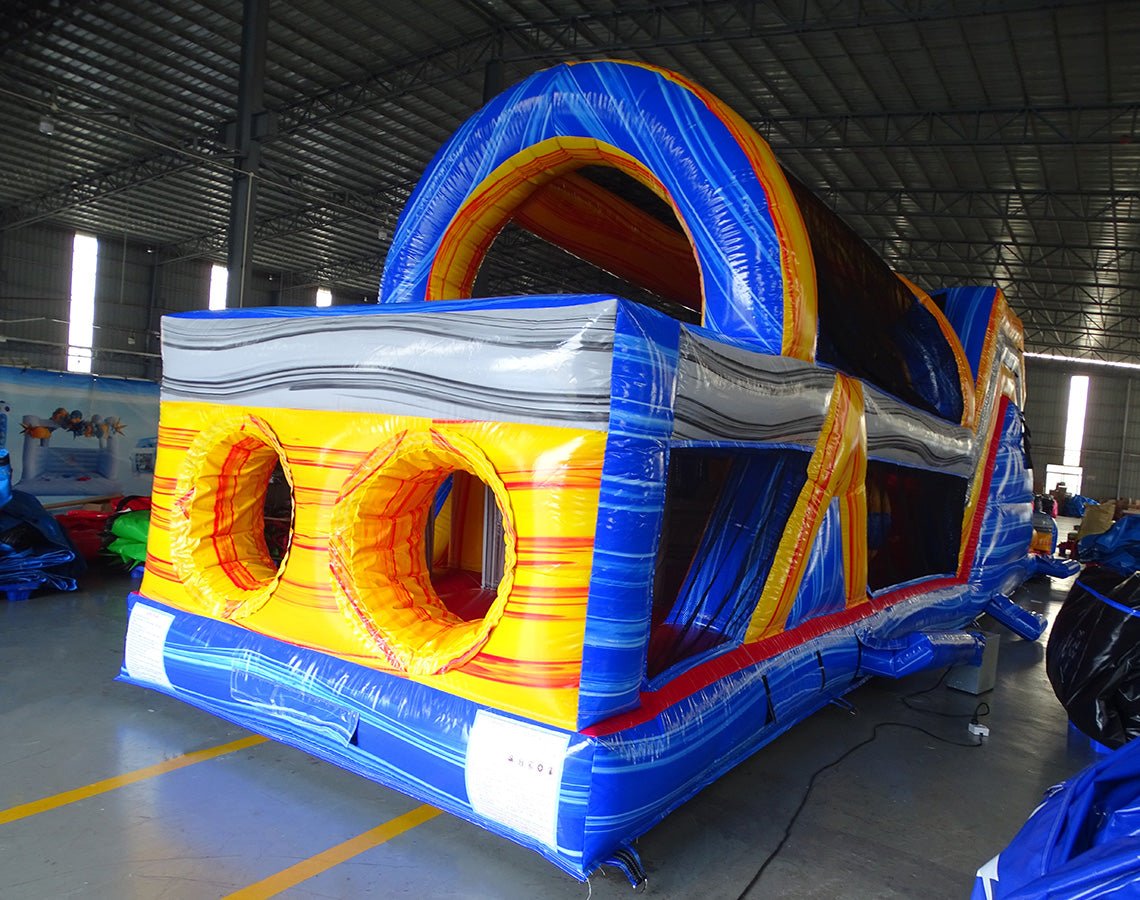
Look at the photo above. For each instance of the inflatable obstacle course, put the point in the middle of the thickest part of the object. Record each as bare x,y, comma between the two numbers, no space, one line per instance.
555,563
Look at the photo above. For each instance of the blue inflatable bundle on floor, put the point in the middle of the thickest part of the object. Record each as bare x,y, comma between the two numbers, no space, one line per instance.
1082,842
34,551
1119,547
1076,504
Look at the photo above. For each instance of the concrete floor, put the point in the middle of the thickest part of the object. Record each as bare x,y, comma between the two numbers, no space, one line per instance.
905,816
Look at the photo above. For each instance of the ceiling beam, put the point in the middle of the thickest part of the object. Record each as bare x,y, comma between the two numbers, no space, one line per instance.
25,19
982,202
1097,337
652,25
1101,207
1049,254
669,24
103,183
354,272
1092,295
1111,124
381,206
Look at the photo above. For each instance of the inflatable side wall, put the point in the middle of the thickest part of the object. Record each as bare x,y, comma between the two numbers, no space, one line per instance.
553,563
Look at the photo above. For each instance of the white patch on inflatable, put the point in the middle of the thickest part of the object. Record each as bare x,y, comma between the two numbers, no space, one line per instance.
146,639
988,876
514,774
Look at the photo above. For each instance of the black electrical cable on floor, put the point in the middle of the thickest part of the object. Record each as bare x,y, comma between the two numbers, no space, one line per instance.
831,765
931,689
982,708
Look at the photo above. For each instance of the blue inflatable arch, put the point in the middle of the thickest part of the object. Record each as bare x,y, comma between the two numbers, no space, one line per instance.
757,276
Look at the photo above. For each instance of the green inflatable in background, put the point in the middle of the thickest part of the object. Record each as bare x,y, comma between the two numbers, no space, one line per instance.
130,531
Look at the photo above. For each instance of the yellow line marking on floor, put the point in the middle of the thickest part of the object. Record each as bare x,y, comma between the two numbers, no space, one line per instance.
334,856
109,784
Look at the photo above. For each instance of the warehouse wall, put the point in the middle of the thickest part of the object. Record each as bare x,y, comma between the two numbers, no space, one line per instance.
123,287
134,289
1106,443
35,277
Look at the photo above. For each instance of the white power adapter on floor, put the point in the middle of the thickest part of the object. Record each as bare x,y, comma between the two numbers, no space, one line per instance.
982,731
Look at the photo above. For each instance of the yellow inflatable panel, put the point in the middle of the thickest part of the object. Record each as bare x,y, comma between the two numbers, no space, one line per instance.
355,581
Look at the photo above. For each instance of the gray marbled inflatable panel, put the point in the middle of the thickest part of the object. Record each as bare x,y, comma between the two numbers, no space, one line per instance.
534,365
542,366
726,393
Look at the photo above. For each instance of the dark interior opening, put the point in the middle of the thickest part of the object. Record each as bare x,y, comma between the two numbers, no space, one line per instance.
633,191
870,324
694,484
277,514
521,261
725,512
914,523
465,554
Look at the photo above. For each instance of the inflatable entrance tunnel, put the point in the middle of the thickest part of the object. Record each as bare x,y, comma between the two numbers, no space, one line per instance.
555,563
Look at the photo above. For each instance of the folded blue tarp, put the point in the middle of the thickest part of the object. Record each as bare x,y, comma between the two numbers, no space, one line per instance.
1119,547
34,550
1081,842
1076,504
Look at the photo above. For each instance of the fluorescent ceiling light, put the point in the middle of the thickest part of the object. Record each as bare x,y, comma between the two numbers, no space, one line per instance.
1053,357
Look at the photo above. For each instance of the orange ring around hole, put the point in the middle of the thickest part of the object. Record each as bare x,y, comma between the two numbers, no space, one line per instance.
218,543
377,553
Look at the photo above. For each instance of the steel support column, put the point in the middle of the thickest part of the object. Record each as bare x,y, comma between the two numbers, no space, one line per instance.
492,80
250,109
150,343
1124,438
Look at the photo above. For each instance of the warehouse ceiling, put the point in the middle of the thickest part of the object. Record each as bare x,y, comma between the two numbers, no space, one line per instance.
967,141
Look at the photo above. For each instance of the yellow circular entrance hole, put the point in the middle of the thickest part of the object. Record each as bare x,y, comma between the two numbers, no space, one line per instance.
218,532
378,550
